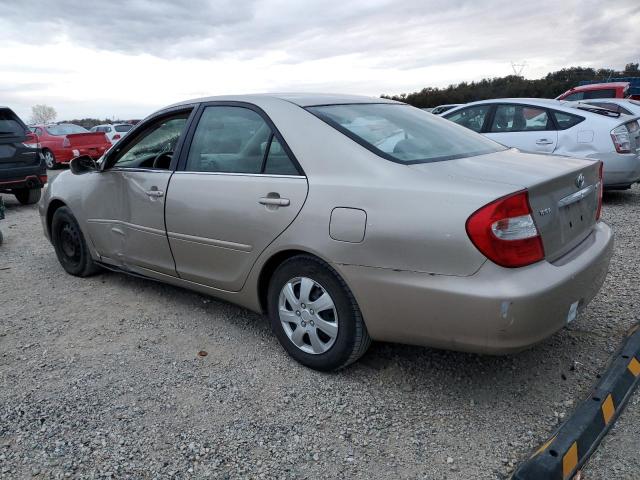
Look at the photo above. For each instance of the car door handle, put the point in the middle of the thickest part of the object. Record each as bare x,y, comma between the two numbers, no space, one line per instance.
154,193
543,141
275,201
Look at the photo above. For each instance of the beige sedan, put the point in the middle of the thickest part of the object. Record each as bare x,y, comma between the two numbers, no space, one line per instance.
345,219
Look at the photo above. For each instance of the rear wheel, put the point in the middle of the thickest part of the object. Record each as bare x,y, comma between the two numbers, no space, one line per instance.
49,159
28,196
314,314
71,248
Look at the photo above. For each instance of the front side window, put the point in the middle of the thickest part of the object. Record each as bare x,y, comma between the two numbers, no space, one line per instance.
404,134
231,139
574,97
156,141
520,118
471,117
65,129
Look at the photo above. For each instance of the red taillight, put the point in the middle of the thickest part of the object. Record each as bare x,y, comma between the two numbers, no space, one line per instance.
116,136
66,142
600,189
505,233
43,179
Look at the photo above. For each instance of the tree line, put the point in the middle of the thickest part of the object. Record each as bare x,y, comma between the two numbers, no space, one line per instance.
512,86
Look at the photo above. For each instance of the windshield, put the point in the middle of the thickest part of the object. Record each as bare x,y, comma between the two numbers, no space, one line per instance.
9,124
405,134
65,129
123,128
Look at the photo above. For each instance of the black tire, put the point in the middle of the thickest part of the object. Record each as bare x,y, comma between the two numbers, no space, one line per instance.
49,159
28,196
352,339
71,248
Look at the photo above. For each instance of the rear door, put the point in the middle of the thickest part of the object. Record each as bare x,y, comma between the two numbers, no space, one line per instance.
237,188
528,128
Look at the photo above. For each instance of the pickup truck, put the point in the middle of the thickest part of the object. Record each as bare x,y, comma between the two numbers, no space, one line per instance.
22,168
62,142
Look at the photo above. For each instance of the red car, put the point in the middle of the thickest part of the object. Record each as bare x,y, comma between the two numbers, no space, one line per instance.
61,143
596,90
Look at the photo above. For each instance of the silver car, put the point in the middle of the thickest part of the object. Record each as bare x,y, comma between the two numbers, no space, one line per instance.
345,219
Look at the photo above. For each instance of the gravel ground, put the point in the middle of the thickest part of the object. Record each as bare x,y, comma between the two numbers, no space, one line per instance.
101,378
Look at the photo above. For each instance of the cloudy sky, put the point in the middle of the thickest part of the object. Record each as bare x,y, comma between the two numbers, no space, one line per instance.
126,58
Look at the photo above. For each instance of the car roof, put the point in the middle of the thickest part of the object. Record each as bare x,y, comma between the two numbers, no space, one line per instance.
599,86
300,99
560,105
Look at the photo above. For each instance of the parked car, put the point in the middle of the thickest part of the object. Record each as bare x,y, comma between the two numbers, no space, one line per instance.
114,132
60,143
596,90
550,126
621,105
440,109
285,205
22,170
633,91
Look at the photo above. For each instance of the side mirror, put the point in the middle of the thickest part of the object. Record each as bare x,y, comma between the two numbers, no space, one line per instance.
83,164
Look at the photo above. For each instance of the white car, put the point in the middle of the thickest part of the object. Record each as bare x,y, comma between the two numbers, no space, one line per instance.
440,109
114,132
560,128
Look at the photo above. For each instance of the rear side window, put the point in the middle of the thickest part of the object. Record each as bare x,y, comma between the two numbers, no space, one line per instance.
404,134
520,118
604,93
231,139
574,97
566,120
471,117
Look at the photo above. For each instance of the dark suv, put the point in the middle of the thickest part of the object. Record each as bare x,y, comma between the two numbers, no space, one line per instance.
22,169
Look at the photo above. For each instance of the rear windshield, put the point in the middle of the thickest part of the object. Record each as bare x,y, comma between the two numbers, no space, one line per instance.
10,126
405,134
123,128
65,129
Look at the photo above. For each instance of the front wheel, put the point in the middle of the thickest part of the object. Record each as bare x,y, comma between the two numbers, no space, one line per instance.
314,314
28,196
71,248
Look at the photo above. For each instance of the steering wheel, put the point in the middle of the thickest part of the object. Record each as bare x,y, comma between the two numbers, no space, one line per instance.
162,160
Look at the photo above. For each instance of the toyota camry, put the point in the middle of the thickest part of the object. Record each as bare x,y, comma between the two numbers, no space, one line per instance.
344,219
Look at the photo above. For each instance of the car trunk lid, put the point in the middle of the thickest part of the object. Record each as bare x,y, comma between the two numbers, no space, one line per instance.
93,144
563,191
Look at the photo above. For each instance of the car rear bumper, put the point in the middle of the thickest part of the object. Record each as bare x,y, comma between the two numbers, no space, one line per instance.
496,310
620,169
22,177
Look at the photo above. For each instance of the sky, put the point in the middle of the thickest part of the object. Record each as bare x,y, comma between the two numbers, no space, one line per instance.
126,59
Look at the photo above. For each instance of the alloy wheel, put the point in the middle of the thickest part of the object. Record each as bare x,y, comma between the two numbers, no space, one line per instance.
49,160
308,315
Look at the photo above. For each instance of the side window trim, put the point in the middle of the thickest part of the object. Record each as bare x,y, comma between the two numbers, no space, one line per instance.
107,164
187,139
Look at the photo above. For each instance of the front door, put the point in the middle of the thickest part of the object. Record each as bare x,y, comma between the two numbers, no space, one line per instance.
525,127
126,205
238,189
